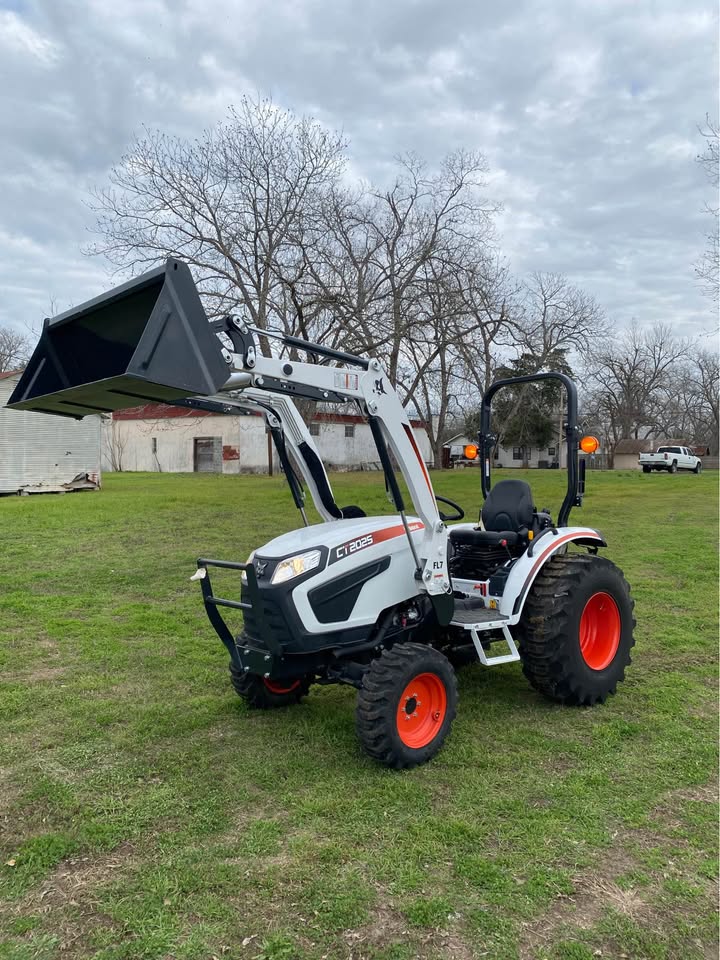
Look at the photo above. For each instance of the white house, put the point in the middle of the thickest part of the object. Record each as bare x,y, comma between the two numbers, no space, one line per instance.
40,453
162,438
512,456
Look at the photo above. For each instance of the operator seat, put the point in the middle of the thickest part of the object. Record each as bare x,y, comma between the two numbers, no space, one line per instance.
507,515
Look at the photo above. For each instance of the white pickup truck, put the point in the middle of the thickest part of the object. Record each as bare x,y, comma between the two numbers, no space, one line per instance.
671,459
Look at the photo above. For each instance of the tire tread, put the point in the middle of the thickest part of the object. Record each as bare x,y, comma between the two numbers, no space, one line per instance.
545,627
252,690
377,703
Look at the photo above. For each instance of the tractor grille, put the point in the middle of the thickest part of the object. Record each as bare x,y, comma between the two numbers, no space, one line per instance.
275,623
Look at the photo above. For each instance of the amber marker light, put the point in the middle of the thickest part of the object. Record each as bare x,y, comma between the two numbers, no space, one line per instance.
589,444
470,451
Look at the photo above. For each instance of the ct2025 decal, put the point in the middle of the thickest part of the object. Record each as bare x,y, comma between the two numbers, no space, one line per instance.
350,547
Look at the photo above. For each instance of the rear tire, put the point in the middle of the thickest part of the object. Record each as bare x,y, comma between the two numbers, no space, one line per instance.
406,705
576,630
647,469
265,694
673,467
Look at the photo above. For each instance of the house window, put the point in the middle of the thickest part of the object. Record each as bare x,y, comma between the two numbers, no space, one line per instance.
349,430
517,453
314,429
153,445
551,451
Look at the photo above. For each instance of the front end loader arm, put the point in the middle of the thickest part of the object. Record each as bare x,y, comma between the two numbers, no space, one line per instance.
288,429
370,388
149,340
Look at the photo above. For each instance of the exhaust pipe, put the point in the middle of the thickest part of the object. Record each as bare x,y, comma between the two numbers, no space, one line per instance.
147,340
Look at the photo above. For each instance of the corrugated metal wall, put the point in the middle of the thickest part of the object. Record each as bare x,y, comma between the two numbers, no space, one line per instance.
36,449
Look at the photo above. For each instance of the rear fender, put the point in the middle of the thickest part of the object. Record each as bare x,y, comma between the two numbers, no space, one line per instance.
526,569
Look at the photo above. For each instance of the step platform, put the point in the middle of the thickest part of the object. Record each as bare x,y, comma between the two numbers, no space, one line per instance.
476,618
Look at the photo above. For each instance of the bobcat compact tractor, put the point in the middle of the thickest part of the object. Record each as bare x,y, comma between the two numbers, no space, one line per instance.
386,604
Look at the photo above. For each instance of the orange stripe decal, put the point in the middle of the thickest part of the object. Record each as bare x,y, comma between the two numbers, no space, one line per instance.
566,538
414,445
351,547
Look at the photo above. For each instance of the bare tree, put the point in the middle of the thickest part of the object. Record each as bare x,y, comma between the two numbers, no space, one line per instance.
708,267
256,206
115,441
228,203
15,349
430,366
690,400
384,276
369,267
455,348
540,321
426,218
557,316
490,302
627,380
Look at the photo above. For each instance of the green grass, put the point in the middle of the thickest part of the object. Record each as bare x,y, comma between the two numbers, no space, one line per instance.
147,814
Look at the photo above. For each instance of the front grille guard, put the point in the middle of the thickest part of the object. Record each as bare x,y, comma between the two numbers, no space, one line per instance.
252,659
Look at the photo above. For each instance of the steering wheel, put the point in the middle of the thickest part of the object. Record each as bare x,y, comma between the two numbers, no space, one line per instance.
459,512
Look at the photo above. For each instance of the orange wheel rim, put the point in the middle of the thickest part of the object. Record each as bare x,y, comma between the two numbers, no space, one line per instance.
279,688
421,710
599,631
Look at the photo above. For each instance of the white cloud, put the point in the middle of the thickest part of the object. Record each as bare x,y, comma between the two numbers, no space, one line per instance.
673,147
587,112
17,36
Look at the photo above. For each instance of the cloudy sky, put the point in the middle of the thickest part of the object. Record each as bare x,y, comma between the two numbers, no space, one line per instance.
587,112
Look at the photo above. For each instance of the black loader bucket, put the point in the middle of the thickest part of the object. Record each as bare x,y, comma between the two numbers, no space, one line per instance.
148,340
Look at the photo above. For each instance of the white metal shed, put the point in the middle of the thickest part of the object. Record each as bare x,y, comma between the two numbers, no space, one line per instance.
45,454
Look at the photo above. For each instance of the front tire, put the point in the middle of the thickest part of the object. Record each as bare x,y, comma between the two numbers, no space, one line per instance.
406,705
266,694
576,630
698,468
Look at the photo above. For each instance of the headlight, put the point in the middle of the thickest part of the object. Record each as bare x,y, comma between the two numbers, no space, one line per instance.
243,575
294,566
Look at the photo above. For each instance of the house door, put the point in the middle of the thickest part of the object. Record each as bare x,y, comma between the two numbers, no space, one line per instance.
207,454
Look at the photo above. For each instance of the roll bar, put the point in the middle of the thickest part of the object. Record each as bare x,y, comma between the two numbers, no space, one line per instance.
575,471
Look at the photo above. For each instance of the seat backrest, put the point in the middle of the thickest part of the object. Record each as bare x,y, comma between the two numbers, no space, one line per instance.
509,506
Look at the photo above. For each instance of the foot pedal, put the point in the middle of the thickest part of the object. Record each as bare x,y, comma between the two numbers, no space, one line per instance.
487,661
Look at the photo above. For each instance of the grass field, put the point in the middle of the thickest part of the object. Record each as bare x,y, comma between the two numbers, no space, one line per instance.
145,813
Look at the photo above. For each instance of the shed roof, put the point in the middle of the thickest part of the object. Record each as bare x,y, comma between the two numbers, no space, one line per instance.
631,445
4,374
165,411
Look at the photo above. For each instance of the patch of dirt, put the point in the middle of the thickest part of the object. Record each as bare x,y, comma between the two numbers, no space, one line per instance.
594,892
387,927
9,792
45,643
667,810
704,794
452,947
43,674
71,878
597,890
68,899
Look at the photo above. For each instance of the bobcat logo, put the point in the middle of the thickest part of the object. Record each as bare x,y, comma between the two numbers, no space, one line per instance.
379,388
